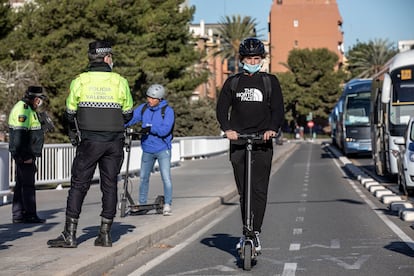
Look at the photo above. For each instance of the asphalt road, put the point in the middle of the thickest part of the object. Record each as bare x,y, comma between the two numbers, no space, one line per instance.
318,222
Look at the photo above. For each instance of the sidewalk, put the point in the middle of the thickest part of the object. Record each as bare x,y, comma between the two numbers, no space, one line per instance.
199,186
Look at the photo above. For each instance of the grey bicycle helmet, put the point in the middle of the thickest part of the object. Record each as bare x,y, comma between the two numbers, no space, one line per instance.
156,91
251,47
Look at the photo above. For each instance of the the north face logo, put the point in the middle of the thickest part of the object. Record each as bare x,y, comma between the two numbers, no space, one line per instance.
250,95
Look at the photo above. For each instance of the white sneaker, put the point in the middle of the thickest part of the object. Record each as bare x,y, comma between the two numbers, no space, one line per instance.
257,244
167,210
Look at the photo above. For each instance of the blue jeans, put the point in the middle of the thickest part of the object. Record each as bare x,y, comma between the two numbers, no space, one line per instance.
147,165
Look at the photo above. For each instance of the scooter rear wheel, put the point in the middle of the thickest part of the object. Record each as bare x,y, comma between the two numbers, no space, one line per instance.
247,261
159,201
123,208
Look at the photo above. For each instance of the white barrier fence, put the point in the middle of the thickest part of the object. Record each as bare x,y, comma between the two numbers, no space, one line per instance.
54,167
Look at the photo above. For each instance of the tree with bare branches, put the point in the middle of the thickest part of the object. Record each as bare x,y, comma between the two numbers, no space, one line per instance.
14,81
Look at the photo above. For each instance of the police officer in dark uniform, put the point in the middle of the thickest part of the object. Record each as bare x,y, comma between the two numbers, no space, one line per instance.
26,140
98,106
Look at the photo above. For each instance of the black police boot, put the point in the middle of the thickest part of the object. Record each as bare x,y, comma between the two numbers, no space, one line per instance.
68,237
104,237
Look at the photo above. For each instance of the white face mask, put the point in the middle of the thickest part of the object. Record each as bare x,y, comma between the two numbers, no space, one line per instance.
39,103
252,68
108,60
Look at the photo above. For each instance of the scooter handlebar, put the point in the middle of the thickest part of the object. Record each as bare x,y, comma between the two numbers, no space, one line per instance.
131,132
254,136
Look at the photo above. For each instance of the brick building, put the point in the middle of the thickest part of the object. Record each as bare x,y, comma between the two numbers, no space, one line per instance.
303,24
208,41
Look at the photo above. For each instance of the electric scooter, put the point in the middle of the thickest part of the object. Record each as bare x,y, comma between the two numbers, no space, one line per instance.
248,251
135,209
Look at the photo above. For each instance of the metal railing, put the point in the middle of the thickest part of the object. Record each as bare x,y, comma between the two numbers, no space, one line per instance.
54,167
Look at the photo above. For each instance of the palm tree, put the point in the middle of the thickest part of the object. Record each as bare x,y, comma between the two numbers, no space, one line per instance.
366,59
232,31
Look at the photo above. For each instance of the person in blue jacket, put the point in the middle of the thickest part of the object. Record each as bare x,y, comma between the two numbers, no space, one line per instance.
157,119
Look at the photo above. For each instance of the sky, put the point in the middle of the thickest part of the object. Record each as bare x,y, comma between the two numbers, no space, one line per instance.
362,20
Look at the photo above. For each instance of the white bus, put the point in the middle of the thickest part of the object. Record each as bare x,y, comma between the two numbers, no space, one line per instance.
392,105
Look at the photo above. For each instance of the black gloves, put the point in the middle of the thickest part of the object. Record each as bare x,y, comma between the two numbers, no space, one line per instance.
46,122
146,130
74,138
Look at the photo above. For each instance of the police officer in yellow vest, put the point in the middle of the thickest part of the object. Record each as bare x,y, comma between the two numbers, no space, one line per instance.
25,144
98,106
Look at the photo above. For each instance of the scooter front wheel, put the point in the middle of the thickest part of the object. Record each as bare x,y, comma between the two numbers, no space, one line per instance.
247,252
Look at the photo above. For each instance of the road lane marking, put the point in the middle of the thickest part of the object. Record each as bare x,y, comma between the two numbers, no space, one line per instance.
297,231
158,260
404,237
356,265
300,219
289,269
335,244
294,247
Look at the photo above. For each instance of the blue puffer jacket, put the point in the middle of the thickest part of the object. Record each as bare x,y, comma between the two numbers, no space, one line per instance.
160,136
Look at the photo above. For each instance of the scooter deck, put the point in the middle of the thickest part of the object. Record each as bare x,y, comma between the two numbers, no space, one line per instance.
158,205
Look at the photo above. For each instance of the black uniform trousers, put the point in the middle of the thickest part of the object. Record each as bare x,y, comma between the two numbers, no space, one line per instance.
109,157
24,196
261,162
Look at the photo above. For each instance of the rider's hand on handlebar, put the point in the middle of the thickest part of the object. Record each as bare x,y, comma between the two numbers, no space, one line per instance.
231,134
269,134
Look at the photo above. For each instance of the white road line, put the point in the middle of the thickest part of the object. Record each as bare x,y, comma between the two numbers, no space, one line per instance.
300,219
289,269
156,261
297,231
294,247
404,237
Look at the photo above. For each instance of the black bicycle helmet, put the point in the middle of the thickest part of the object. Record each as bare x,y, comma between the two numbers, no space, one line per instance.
251,47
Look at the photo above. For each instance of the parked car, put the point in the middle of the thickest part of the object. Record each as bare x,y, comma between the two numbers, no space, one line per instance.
405,159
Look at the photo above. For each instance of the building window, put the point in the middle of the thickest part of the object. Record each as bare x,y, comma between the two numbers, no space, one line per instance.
295,44
341,47
340,25
279,2
295,23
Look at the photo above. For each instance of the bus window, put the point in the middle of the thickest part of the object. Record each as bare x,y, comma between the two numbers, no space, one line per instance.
357,109
403,92
403,86
402,107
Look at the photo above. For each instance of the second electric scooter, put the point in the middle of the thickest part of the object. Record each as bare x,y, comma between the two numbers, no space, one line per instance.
132,208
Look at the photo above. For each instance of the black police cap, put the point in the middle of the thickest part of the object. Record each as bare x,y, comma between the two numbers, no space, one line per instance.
100,47
35,91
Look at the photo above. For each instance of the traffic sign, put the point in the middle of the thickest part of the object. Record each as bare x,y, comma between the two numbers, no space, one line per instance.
310,124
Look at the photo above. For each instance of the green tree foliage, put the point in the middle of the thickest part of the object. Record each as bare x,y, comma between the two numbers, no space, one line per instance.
233,29
13,75
5,18
311,85
204,118
366,59
151,41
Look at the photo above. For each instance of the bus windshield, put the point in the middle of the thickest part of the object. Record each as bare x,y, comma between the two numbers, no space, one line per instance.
357,108
402,96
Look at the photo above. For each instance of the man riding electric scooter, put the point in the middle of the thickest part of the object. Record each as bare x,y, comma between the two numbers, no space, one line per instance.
255,102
